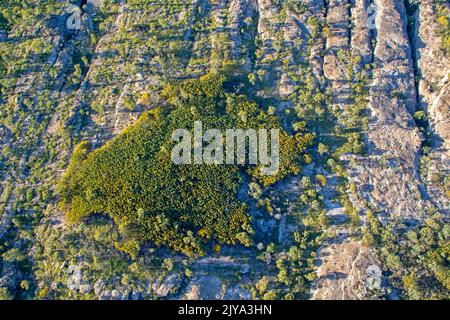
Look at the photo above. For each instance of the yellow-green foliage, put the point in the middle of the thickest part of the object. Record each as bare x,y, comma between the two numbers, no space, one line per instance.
443,21
133,180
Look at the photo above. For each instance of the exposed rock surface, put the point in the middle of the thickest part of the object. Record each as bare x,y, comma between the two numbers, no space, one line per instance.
164,287
344,271
9,277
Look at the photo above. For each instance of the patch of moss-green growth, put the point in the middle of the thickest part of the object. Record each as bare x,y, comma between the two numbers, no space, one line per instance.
184,207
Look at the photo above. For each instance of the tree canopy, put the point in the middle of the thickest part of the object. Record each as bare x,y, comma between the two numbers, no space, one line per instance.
133,180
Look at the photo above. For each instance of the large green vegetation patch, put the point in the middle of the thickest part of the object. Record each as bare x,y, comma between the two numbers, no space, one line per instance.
185,207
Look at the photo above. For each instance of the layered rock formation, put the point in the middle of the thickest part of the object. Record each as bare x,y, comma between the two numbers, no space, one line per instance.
388,178
434,97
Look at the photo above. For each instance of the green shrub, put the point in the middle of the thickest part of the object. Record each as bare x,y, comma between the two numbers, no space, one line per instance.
133,180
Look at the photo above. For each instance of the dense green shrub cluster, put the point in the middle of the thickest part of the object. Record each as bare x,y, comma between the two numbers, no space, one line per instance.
133,179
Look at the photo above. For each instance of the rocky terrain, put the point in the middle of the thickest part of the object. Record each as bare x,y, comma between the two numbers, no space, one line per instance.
369,78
